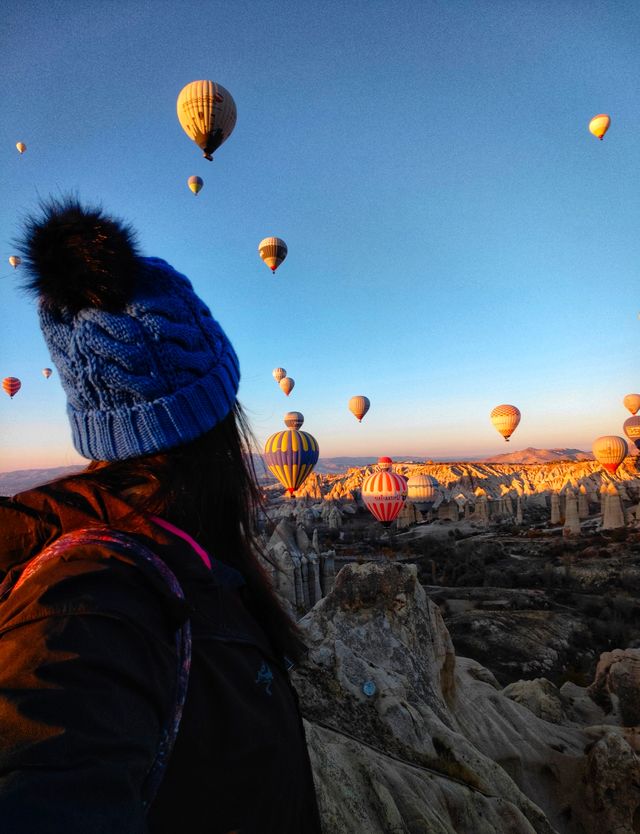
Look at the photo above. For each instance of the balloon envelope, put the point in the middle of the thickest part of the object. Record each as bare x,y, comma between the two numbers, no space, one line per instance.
599,125
384,463
610,450
632,403
46,372
287,384
207,114
293,419
384,494
278,374
15,261
11,384
423,491
273,251
195,184
505,419
290,456
359,406
631,428
21,147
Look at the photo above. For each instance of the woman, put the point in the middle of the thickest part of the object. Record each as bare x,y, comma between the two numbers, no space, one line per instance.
88,652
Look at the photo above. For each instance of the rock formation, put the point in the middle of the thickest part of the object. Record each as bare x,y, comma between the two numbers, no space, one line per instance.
571,518
612,514
583,502
555,508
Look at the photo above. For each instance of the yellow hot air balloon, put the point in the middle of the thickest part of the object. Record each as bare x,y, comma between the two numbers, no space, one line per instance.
599,125
359,406
15,261
632,403
610,450
272,250
505,419
278,374
195,184
286,383
207,114
21,147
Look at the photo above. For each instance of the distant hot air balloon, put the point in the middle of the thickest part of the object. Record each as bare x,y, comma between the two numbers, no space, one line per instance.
610,450
384,493
11,385
505,419
287,384
272,250
599,125
46,372
15,261
359,406
207,114
631,428
290,456
293,419
423,491
195,184
278,374
632,403
21,147
384,464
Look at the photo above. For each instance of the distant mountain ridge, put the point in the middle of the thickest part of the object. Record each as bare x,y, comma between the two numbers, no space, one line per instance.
533,455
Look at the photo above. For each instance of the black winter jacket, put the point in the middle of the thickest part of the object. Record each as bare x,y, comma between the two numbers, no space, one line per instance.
87,665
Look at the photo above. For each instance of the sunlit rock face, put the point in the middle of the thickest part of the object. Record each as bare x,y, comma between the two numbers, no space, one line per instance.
405,737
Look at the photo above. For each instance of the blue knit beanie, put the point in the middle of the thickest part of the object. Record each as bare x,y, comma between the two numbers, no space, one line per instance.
144,364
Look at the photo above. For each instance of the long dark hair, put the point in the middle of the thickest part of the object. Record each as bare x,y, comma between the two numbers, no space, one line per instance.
209,489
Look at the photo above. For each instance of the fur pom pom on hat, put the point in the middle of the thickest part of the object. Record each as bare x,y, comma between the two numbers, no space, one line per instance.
144,364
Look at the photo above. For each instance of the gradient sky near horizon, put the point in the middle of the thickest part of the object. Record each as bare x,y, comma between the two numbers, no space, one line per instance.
457,238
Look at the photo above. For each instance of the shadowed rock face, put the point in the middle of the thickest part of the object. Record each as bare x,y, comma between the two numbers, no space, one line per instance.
404,737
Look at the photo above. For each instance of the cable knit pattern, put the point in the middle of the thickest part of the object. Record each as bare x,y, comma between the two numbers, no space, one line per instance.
157,375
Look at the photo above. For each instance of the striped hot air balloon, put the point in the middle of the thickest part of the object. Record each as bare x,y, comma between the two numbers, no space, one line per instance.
195,184
505,419
293,419
273,251
631,428
384,494
359,406
290,456
423,491
599,125
207,114
610,450
11,384
287,384
384,463
46,372
278,374
632,403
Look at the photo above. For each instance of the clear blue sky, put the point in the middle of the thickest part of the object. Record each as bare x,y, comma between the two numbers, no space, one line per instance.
457,239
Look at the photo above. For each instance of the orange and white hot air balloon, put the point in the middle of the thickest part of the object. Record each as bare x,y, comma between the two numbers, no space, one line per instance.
195,184
15,261
293,420
599,125
505,419
423,491
207,114
278,374
610,450
273,251
632,403
287,384
384,493
631,428
384,463
46,372
359,406
11,384
21,147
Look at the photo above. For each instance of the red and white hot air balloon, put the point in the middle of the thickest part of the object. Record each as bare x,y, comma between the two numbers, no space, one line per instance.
384,493
11,385
610,450
632,403
384,464
505,419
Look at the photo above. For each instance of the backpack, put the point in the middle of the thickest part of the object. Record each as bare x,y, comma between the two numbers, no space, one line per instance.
126,546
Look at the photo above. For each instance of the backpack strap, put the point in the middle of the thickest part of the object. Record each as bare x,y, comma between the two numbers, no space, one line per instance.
124,545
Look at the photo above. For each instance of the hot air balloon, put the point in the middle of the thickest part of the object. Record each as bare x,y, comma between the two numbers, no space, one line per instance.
423,491
290,456
384,464
632,403
11,385
272,250
359,406
505,419
46,372
195,184
207,114
15,261
631,428
21,147
278,374
293,419
384,494
599,125
286,383
610,450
